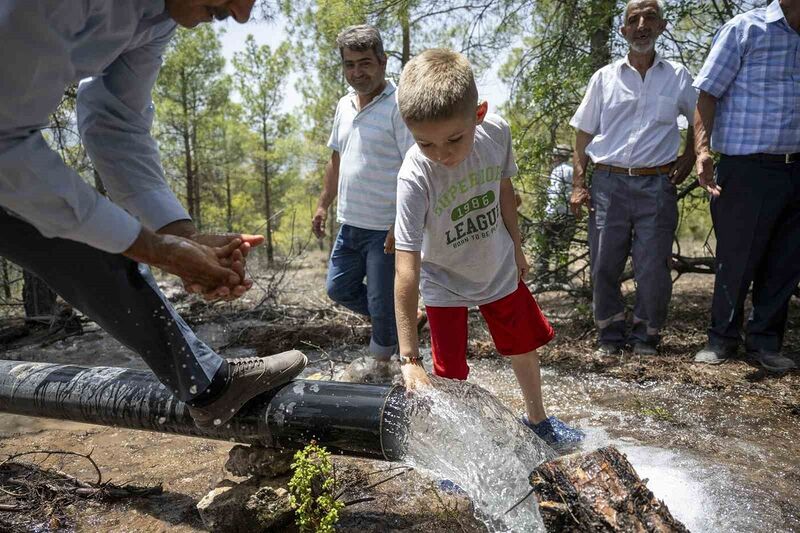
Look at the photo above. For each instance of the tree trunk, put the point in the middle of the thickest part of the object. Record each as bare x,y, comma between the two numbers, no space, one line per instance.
598,492
267,199
600,44
187,151
406,28
6,273
40,301
198,212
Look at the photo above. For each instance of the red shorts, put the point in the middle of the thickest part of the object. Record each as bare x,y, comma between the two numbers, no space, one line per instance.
516,323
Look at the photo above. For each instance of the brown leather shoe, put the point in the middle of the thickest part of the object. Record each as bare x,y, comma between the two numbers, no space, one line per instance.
248,377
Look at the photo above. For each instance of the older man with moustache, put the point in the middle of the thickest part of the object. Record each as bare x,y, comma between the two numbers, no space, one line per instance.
749,107
627,125
368,143
93,250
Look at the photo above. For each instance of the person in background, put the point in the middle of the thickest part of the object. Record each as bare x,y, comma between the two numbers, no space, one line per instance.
627,125
367,142
558,223
749,113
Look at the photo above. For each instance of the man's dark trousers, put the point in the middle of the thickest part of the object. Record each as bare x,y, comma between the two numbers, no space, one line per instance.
122,297
757,223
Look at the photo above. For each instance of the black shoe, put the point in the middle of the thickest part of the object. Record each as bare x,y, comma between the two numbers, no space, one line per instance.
607,349
249,377
644,348
771,361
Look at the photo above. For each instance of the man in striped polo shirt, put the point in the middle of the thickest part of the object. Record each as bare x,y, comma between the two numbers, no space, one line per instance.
369,141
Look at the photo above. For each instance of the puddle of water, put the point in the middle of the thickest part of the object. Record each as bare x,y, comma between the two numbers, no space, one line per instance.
460,432
716,466
705,497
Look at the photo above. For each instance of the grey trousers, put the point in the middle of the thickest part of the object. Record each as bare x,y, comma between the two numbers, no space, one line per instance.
634,215
122,297
757,223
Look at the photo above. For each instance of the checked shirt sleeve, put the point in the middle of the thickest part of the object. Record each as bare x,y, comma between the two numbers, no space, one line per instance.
723,62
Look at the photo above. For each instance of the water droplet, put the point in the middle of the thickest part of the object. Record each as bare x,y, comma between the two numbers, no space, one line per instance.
217,421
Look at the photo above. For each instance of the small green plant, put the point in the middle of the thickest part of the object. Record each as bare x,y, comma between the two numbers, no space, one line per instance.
312,490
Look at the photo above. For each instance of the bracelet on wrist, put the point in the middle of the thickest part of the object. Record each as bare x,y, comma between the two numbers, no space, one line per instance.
411,359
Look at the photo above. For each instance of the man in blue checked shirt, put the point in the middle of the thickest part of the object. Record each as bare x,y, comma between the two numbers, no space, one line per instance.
93,250
749,106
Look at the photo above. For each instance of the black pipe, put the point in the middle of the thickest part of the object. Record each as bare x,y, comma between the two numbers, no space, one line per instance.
348,418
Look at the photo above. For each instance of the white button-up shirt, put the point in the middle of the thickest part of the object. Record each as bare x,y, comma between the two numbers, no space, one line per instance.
635,121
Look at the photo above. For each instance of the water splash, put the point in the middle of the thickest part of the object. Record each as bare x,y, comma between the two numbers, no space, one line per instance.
460,432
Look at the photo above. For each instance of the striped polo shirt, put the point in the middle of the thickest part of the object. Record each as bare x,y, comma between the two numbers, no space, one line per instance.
371,143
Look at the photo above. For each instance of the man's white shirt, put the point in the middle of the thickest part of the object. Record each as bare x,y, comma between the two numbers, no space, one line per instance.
635,121
371,143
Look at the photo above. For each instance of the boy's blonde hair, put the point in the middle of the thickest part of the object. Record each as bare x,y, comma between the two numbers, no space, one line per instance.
437,84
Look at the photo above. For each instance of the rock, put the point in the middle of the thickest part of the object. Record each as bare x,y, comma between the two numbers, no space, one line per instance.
245,508
369,370
271,507
258,461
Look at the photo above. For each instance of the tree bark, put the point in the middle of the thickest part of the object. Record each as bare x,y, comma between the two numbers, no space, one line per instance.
267,199
406,28
600,43
598,492
6,272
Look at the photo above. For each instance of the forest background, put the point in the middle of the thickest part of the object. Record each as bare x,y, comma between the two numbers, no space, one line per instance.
240,160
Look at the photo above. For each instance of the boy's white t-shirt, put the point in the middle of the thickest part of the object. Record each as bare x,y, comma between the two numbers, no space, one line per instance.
452,216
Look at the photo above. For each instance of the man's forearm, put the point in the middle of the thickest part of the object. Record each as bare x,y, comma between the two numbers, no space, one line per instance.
580,159
689,150
330,183
704,122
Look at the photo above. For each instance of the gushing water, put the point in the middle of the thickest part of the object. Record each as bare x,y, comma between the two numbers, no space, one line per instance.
460,432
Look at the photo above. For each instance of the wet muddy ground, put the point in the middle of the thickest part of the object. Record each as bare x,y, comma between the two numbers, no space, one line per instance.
720,444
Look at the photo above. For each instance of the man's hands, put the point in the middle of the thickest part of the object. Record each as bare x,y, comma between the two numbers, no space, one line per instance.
705,173
318,222
682,168
415,377
580,197
212,265
235,261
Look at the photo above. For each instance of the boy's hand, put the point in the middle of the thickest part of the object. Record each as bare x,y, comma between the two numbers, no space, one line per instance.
415,377
522,263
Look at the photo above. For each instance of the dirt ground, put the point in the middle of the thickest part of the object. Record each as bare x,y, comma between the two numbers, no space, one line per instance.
187,468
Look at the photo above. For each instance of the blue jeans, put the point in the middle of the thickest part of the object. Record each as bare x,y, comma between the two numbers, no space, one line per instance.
358,253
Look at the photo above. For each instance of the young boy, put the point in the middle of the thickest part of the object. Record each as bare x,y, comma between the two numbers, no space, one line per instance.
457,224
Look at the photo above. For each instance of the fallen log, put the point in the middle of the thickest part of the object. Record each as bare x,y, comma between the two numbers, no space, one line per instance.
598,492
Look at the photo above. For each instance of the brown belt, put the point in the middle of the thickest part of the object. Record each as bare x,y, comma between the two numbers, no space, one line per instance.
650,171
